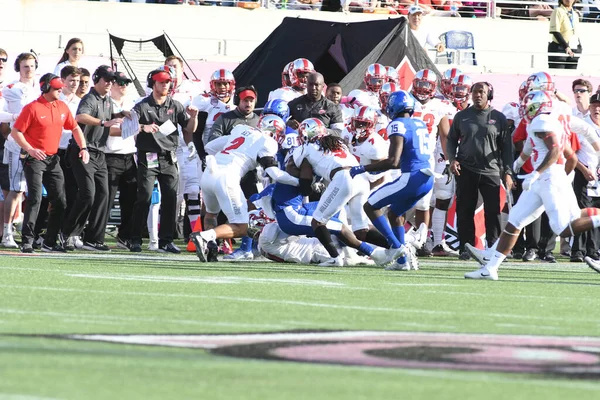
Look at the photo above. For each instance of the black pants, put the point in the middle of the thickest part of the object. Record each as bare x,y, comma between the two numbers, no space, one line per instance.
585,243
91,203
122,176
562,62
167,174
70,182
48,173
469,185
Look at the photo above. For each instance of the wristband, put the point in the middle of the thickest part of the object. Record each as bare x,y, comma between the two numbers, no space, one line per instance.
83,148
102,123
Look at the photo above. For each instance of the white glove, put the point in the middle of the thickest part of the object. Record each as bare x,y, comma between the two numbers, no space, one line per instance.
192,150
529,179
518,164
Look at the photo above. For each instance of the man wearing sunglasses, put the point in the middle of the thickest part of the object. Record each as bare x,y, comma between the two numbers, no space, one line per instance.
582,91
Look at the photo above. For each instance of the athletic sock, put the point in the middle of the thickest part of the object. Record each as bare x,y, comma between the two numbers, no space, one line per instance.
7,229
193,207
209,235
383,226
399,232
438,220
495,260
324,236
246,244
366,248
595,221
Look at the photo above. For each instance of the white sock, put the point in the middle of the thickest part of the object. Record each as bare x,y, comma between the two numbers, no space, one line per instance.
7,229
209,235
595,221
153,219
495,260
489,253
438,220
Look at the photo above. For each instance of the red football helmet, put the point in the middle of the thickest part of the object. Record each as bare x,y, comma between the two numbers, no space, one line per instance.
535,103
363,122
392,74
387,89
424,84
311,129
227,79
540,81
375,77
460,88
285,75
522,90
273,126
299,71
446,82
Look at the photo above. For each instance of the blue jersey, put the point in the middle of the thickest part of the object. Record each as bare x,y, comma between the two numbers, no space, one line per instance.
417,150
285,195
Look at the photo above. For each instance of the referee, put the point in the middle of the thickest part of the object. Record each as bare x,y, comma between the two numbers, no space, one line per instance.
156,144
482,158
37,131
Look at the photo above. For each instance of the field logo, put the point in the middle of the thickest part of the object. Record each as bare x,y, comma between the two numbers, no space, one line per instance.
569,357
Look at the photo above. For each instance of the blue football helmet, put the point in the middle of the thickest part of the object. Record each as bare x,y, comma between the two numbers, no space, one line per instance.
277,107
400,102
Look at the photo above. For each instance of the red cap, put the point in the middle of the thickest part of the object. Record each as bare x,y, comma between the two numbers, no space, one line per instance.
57,83
161,76
247,93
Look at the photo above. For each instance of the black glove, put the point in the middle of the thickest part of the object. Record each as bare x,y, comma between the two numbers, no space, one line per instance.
448,173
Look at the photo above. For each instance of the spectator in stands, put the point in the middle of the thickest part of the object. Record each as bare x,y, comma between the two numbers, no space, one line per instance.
71,55
84,83
359,5
591,12
582,90
334,92
564,23
540,11
415,15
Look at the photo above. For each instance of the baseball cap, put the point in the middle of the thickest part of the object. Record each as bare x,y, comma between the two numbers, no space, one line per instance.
415,9
121,78
105,72
53,81
247,93
161,76
595,98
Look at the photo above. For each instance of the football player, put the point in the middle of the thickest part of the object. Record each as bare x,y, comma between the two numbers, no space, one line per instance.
375,77
298,74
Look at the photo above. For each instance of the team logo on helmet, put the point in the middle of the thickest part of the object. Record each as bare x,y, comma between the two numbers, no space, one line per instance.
400,102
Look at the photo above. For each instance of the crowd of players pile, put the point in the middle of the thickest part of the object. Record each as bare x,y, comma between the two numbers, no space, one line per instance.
388,158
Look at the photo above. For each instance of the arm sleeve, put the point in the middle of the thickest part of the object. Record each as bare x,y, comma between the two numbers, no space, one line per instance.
215,146
560,39
282,177
583,129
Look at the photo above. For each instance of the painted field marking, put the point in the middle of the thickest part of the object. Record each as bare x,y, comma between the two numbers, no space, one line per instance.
511,295
17,396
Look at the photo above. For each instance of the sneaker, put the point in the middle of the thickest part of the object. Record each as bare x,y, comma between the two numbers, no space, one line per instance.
98,246
169,248
529,255
394,254
577,257
8,241
483,273
593,264
26,248
153,245
424,252
380,256
333,262
135,248
123,244
37,244
239,255
443,250
548,257
225,248
213,252
593,256
517,255
201,245
68,244
466,256
77,242
411,258
477,254
57,248
405,266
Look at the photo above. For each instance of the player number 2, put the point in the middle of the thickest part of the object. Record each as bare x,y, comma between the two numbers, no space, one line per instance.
237,142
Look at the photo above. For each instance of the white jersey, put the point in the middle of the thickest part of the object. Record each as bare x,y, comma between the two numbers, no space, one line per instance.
431,113
72,102
17,95
382,123
365,98
279,246
285,93
323,162
511,111
347,113
239,152
213,107
374,148
545,123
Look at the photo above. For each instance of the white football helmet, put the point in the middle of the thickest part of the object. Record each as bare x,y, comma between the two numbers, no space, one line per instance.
540,81
424,84
363,122
522,90
375,77
387,89
299,71
446,81
392,74
535,103
272,126
285,75
310,129
460,88
222,76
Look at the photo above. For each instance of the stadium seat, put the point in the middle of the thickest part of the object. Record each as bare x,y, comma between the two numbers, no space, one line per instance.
248,4
462,43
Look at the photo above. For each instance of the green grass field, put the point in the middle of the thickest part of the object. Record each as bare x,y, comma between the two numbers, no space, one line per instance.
114,294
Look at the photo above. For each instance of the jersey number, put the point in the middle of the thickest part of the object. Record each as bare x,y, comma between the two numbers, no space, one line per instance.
429,119
340,153
237,142
423,141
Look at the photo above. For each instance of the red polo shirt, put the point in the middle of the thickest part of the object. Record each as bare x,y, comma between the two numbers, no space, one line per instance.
42,123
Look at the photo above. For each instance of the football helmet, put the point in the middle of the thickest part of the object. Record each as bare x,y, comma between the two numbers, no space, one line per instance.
375,77
387,89
424,84
311,129
460,88
446,81
272,125
285,75
299,71
535,103
363,122
400,102
257,221
224,76
522,90
540,81
277,107
392,74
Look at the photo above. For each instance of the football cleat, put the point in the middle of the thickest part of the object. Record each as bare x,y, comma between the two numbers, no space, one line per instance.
479,255
483,273
239,255
333,262
201,245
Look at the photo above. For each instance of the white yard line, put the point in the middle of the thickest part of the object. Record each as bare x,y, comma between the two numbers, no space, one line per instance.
511,295
18,396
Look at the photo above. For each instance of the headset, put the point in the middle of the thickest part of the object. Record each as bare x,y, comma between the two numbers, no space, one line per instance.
164,68
45,82
95,77
236,96
21,57
489,86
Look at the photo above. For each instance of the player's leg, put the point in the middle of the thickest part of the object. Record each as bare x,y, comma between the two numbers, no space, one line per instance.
444,192
360,221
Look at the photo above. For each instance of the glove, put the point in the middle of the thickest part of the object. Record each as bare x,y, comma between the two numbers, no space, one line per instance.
318,186
193,152
518,164
529,179
447,173
357,170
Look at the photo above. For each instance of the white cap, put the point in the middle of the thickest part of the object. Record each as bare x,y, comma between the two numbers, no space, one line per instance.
415,9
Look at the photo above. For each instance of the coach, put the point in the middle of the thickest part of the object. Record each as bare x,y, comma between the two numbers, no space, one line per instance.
480,153
243,114
37,131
